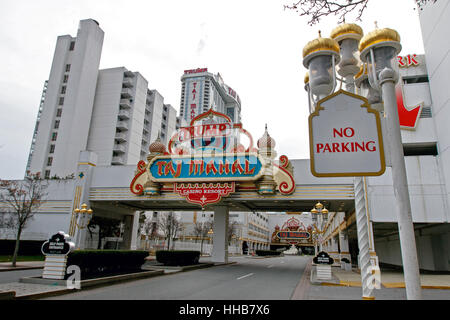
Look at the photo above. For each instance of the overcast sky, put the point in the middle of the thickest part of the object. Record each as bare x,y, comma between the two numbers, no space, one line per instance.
256,46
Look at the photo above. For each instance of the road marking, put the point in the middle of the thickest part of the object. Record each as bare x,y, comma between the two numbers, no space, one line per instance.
270,266
281,261
247,275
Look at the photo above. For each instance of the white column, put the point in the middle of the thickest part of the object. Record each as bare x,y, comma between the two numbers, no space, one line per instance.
401,192
135,237
220,243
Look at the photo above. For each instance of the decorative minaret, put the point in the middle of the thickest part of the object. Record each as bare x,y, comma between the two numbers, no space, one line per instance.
266,149
156,148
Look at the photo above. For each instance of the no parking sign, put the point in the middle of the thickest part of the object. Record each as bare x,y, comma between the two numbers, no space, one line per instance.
345,137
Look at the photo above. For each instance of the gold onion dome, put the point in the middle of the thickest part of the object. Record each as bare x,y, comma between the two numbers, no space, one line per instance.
157,146
380,35
266,141
347,31
320,46
306,79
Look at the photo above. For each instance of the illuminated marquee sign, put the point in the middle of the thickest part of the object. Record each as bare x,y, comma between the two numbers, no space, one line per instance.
206,161
293,231
293,235
208,136
233,167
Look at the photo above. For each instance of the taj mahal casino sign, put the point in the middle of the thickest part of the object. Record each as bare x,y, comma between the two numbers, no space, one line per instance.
208,161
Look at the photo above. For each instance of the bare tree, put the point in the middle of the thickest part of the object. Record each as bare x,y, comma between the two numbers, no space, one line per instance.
22,199
201,230
317,9
170,225
106,228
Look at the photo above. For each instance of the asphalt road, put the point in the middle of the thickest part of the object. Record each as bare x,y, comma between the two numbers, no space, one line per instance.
14,276
249,279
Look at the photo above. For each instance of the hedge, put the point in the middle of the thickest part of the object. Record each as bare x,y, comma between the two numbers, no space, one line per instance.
177,257
26,247
267,252
93,262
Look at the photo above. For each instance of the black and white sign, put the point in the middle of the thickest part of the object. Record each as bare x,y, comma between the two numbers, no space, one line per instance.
57,245
323,258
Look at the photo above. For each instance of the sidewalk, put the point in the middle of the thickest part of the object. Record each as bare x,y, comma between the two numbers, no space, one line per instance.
390,279
21,265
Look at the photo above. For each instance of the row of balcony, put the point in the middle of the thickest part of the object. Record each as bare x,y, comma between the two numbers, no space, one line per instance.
119,148
118,160
125,103
126,93
124,114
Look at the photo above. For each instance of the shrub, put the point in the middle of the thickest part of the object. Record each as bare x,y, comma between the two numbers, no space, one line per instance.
177,257
267,252
92,262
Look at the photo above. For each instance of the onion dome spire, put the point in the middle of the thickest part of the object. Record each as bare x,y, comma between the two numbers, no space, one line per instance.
157,146
266,141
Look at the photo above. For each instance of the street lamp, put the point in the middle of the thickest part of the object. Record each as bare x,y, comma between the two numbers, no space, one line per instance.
366,90
348,36
83,215
210,233
320,217
320,57
379,49
82,218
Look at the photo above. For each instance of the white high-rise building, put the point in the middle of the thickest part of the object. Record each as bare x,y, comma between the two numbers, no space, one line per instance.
110,112
202,90
63,125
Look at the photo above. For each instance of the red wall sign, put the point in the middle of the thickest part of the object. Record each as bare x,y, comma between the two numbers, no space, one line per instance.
408,117
407,61
198,70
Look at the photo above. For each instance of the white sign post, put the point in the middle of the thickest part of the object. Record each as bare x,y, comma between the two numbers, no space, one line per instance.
345,137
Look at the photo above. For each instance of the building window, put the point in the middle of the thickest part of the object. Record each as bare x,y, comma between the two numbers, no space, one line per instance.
47,174
67,67
54,136
52,148
63,89
59,112
72,46
66,78
61,101
49,161
56,124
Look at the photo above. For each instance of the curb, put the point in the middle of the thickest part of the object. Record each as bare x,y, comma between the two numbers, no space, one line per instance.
191,267
390,285
302,288
20,268
181,269
85,284
7,295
